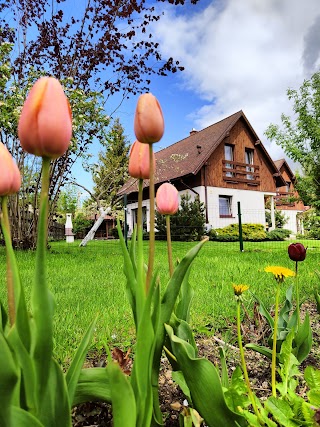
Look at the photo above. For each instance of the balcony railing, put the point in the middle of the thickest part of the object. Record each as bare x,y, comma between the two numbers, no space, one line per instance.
236,172
285,199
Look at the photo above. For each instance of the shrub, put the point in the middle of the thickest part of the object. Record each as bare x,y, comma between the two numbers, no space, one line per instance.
278,234
187,225
250,232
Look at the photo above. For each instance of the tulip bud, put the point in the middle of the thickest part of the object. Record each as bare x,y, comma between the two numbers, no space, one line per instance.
45,126
148,119
10,179
139,164
167,199
297,252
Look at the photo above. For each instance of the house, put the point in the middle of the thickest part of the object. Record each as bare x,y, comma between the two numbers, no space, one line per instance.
223,164
287,198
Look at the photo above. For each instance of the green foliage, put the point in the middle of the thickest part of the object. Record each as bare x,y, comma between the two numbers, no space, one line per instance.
311,223
111,171
278,234
287,322
187,225
300,137
280,218
81,223
67,203
230,233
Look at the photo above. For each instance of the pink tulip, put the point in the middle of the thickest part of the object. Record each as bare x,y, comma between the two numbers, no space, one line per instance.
148,119
139,164
10,179
45,125
167,199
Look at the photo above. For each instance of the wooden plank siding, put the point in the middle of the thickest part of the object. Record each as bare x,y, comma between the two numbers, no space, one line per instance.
288,200
240,138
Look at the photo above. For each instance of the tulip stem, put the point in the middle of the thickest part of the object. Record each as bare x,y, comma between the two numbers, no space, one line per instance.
140,264
169,245
5,225
274,346
297,296
152,220
41,298
243,362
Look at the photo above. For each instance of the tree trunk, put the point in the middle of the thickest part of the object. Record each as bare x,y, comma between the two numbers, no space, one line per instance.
95,226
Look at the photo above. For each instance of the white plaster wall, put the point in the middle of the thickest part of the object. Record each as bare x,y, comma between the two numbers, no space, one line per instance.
292,223
131,206
251,202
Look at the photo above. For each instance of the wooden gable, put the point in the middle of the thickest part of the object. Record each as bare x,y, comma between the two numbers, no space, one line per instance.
241,138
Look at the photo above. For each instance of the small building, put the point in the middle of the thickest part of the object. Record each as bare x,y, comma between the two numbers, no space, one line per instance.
222,164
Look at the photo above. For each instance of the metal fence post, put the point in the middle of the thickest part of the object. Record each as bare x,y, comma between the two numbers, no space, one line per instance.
240,227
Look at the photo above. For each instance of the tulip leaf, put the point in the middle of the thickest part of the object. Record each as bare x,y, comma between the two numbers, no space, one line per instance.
303,340
77,362
54,406
27,369
21,418
93,385
123,400
204,384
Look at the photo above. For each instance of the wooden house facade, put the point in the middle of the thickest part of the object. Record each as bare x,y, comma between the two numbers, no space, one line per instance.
223,164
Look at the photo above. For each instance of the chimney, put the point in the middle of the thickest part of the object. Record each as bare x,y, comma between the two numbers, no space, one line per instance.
193,131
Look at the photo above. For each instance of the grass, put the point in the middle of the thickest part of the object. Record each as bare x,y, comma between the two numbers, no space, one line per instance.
89,282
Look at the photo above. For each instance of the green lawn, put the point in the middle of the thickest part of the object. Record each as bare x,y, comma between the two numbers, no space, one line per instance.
89,281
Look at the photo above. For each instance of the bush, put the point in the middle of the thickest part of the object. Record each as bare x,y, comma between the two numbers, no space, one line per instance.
187,225
250,232
278,234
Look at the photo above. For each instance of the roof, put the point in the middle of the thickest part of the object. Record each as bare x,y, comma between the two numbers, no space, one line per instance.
282,162
186,157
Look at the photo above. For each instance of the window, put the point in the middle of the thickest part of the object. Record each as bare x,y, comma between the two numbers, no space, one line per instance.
135,218
249,161
225,206
228,155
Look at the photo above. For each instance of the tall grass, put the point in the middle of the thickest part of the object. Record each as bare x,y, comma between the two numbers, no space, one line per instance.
87,281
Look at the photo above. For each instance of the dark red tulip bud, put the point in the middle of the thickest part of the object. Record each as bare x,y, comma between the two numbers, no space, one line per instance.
297,252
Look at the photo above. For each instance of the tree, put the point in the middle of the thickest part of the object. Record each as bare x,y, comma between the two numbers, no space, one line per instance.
111,172
300,137
188,224
104,48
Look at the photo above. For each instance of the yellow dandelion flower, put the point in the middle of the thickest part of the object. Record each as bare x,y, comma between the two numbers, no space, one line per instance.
239,289
280,273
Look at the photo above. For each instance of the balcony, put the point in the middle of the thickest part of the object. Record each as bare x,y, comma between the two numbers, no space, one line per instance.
235,172
284,198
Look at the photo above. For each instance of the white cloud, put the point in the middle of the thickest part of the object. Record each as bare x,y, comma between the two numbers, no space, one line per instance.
244,55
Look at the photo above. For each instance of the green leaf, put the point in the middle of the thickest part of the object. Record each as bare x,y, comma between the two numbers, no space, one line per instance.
264,312
236,393
122,397
28,393
178,378
314,397
266,351
281,411
182,310
204,383
76,365
224,368
9,375
312,377
93,385
3,318
303,340
21,418
289,363
129,269
54,406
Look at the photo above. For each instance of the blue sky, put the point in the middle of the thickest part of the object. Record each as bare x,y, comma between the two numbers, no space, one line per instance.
237,55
